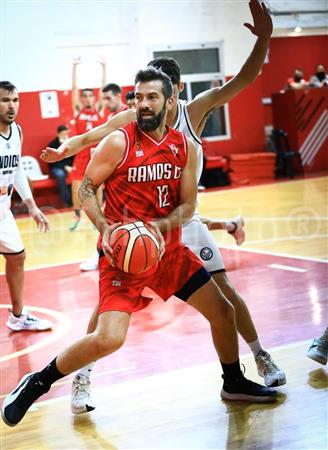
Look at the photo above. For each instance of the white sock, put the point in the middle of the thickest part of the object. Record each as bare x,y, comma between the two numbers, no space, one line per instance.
86,370
255,346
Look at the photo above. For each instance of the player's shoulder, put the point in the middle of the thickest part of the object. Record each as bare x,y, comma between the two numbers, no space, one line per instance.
174,133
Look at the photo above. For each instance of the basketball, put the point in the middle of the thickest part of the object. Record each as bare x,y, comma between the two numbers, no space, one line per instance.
135,247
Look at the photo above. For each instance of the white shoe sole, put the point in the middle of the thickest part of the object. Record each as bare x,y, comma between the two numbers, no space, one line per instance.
245,397
16,327
317,358
82,410
12,396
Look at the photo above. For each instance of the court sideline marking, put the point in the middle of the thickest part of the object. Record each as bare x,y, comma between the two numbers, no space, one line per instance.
64,325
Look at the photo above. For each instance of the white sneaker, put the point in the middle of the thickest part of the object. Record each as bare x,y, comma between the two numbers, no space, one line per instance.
89,264
318,351
26,321
267,369
239,233
81,400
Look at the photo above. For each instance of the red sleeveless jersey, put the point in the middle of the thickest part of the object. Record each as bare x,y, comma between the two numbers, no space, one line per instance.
146,184
109,114
84,121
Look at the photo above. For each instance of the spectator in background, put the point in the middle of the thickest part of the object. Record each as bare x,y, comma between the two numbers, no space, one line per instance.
297,81
112,100
130,100
61,169
320,79
87,116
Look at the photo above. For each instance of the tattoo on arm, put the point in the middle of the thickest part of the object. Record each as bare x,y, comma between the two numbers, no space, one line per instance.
88,189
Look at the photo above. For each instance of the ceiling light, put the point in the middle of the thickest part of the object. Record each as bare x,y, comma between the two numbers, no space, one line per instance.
298,29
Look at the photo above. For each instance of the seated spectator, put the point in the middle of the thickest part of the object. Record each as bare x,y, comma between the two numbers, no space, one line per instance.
320,79
60,169
297,82
130,100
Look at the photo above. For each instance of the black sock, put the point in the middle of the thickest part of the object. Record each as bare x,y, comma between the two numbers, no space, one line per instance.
231,371
50,374
77,212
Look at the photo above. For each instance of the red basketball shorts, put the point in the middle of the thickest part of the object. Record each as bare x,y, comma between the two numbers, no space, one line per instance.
175,274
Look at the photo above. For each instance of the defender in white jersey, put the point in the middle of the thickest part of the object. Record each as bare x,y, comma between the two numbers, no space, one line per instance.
190,119
12,176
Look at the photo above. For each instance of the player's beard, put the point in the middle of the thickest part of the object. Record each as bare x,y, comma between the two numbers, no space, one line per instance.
151,123
8,119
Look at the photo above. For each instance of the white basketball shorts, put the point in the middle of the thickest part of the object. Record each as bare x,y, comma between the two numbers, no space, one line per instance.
10,239
196,236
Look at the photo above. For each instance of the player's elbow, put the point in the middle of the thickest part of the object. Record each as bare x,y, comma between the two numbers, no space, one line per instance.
246,78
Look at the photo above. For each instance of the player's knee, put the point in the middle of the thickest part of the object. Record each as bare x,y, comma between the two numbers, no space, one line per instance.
227,310
106,343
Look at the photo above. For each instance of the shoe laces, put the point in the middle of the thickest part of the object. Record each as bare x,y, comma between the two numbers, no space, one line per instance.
266,360
81,385
30,318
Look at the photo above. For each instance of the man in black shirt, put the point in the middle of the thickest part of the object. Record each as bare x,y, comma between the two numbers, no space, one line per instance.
60,169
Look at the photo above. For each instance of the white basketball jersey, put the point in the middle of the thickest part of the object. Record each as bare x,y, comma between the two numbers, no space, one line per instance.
10,153
183,124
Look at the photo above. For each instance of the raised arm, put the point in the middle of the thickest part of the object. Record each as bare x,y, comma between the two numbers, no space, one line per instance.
188,195
100,103
218,96
75,92
77,143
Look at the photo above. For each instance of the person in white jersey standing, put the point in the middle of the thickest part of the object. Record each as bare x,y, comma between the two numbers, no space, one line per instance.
12,176
190,118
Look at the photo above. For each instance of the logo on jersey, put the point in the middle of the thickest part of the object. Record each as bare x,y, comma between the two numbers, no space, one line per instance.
9,161
153,172
206,253
174,149
139,153
116,283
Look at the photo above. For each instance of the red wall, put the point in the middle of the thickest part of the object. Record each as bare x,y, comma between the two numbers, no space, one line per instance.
288,53
247,114
246,122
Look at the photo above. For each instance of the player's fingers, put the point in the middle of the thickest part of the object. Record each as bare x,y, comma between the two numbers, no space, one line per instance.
264,8
250,27
109,257
255,6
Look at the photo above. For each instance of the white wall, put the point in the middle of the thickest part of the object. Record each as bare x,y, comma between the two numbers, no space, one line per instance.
39,39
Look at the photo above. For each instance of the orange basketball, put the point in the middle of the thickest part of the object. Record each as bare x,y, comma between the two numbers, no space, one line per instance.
135,247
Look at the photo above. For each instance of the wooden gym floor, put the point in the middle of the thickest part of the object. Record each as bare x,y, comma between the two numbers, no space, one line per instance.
161,390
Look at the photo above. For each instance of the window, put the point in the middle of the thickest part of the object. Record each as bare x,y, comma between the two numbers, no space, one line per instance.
201,69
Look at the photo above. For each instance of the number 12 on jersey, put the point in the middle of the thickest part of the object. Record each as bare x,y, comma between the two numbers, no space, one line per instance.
163,192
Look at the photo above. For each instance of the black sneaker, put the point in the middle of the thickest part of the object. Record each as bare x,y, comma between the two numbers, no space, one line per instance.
243,389
21,398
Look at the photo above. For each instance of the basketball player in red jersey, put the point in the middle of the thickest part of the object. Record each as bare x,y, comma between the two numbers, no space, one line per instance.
149,171
192,116
87,113
112,100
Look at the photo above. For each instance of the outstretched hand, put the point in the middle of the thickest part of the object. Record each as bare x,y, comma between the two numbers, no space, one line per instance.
262,21
51,155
